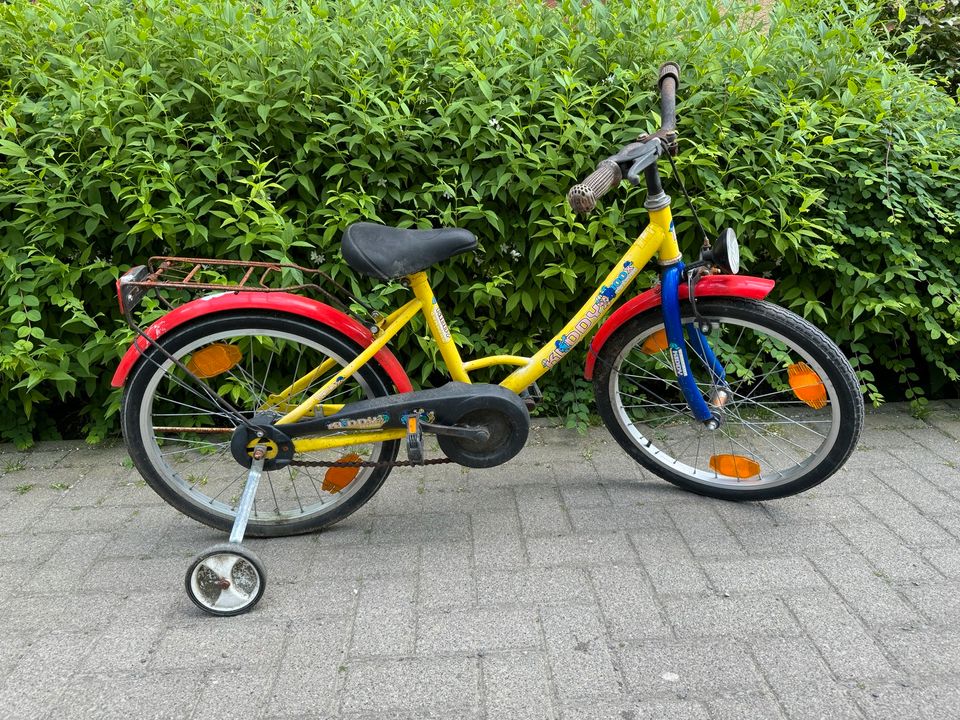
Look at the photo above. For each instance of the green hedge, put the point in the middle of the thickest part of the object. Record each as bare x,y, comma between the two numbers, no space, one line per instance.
235,129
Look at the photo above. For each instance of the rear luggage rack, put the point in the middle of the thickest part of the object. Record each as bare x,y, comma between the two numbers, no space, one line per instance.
204,274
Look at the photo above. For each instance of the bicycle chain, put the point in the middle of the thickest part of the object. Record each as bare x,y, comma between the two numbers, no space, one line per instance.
370,463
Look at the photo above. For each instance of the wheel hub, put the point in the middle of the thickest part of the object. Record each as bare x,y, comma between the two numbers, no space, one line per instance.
278,447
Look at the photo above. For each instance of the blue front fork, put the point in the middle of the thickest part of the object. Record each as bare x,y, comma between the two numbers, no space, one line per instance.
670,303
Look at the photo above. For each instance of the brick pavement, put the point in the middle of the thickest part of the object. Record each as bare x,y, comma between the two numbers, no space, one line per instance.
566,584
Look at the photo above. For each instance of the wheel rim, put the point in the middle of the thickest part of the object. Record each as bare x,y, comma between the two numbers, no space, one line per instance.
764,420
225,582
196,463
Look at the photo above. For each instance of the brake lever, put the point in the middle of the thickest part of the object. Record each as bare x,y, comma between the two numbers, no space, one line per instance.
641,163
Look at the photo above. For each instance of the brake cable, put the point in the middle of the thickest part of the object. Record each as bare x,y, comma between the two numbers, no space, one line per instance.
693,278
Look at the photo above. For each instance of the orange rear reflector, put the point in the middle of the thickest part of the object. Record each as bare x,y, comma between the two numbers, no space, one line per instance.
736,466
655,343
807,385
337,478
214,360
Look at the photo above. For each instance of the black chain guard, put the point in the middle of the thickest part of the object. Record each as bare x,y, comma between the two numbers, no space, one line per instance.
508,423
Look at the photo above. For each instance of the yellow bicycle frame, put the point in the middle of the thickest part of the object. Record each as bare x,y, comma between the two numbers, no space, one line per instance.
656,239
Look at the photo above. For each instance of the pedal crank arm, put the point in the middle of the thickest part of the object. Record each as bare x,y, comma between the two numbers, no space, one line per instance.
467,433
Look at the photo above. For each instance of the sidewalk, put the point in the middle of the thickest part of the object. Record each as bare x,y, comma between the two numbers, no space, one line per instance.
565,584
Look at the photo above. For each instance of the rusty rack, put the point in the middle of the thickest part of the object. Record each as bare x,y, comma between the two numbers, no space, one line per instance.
188,274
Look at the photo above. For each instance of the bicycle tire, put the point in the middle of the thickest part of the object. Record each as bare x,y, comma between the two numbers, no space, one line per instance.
628,369
209,460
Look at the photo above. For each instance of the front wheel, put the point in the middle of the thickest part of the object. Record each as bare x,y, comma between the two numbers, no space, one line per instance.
791,410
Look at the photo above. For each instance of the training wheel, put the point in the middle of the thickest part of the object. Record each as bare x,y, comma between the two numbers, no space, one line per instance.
225,579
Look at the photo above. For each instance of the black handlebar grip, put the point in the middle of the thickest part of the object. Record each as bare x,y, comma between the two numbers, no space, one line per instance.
583,197
670,69
668,82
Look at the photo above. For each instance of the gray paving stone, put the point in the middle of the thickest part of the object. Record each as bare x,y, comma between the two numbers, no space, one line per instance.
163,696
865,589
477,630
763,574
586,496
129,646
310,670
893,701
580,550
690,668
32,549
800,680
638,517
533,586
734,617
77,611
945,559
35,684
629,608
516,685
669,564
12,647
939,602
811,540
581,665
200,646
386,618
460,496
20,512
499,553
929,497
745,706
845,645
640,710
541,511
414,685
426,527
887,552
704,532
236,693
924,651
904,520
359,561
133,575
447,578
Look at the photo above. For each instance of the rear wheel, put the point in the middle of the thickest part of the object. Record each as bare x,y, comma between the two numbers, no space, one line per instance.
179,439
791,415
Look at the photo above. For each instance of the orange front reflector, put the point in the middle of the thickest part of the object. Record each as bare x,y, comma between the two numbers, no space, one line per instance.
214,360
807,385
337,478
736,466
655,343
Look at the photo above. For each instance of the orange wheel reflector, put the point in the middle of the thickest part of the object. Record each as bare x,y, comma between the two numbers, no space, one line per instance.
214,360
337,478
807,385
736,466
655,343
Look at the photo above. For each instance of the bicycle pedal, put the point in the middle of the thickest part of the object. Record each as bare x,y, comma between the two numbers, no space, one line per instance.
414,438
531,396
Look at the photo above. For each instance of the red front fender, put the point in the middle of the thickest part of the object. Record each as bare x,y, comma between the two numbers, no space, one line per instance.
274,301
711,286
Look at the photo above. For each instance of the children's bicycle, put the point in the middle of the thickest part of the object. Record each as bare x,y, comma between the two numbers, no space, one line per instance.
262,411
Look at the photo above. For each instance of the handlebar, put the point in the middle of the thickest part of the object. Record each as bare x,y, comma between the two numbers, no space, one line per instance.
610,172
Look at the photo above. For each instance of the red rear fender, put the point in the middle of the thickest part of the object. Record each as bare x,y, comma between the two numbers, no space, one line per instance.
743,286
276,302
